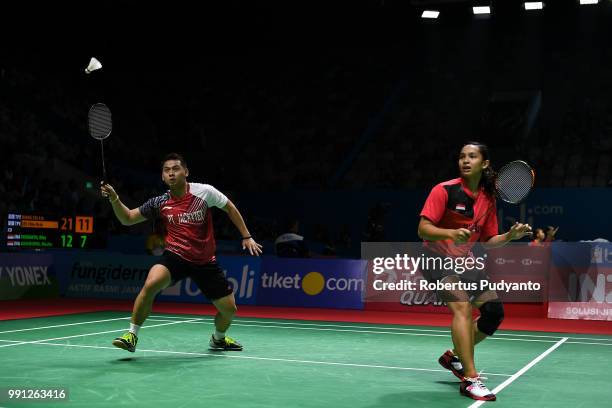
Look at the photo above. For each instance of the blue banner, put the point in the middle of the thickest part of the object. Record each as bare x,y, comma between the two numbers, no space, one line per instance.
312,283
27,276
102,274
241,271
118,276
582,254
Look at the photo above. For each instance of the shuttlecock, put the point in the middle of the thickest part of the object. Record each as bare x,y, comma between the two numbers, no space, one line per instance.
94,65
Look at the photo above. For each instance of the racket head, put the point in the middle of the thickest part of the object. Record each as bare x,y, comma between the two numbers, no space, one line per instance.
99,121
514,181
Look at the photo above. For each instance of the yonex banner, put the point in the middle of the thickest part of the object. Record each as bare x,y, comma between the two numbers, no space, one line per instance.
330,283
27,276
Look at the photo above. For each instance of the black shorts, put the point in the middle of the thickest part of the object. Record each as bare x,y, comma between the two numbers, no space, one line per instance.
209,277
435,274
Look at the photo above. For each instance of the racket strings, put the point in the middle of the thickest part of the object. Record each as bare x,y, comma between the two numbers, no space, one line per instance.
514,182
100,122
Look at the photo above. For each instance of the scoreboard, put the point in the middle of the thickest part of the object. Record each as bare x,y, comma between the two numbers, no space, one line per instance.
37,231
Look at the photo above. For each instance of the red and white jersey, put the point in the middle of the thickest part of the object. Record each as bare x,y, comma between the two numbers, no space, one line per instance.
452,205
188,221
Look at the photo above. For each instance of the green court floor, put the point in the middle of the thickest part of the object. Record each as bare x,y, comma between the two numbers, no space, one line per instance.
291,364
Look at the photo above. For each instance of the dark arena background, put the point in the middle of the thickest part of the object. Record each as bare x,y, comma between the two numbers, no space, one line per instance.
327,125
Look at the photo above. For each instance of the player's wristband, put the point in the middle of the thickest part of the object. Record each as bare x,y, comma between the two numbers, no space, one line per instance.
249,237
115,200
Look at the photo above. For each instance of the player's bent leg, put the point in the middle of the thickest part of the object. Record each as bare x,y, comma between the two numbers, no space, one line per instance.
491,317
226,308
462,334
158,279
493,313
450,359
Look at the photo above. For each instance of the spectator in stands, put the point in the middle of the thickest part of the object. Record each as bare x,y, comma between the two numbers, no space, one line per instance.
290,244
538,237
551,233
542,238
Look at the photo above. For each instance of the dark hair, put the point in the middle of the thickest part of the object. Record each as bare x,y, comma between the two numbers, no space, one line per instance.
487,181
174,156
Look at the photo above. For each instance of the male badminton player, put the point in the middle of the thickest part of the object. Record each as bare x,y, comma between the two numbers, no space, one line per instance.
190,248
447,227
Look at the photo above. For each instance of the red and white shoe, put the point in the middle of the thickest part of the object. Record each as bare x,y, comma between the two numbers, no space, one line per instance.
451,362
475,389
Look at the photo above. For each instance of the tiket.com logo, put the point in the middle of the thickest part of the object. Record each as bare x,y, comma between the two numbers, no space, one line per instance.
311,284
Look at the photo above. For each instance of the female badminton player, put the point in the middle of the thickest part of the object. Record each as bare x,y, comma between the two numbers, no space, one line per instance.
457,214
190,248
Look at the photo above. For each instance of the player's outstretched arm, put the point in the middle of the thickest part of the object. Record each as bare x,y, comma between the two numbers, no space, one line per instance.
124,214
517,231
247,241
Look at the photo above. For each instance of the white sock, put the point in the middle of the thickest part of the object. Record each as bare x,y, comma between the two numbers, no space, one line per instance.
134,328
218,335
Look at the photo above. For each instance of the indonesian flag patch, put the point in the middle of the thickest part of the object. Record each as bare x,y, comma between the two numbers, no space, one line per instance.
460,207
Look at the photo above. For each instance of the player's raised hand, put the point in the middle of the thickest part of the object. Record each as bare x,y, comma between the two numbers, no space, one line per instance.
518,231
108,191
253,247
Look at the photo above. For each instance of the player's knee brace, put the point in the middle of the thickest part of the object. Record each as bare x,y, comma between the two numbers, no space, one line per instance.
491,316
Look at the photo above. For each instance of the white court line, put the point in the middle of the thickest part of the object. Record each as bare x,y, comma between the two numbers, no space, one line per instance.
590,344
41,342
63,325
386,328
567,342
522,371
360,331
321,327
89,334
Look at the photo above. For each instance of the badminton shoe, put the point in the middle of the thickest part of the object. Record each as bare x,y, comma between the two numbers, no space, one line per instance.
451,362
475,389
226,343
127,342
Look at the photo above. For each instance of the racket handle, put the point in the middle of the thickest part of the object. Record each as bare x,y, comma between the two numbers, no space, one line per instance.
104,178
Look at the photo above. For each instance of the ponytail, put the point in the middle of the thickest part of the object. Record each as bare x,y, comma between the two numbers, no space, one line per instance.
487,181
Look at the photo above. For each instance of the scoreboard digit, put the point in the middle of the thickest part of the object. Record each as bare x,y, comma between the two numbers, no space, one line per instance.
32,231
84,225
